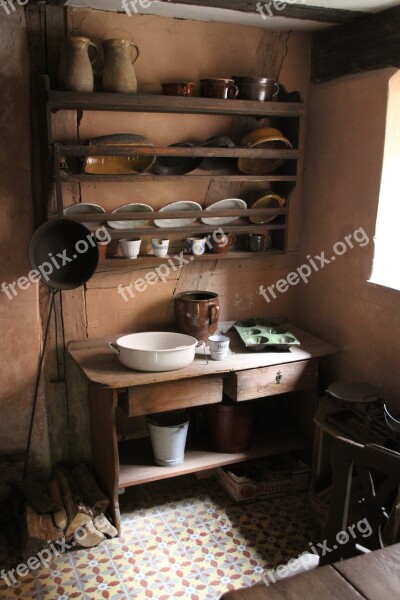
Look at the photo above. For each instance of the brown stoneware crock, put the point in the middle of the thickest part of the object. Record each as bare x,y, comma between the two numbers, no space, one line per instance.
197,313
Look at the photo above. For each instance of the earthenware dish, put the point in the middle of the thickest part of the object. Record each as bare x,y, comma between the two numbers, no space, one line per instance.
177,206
130,208
84,208
119,165
177,165
233,203
182,88
268,201
264,138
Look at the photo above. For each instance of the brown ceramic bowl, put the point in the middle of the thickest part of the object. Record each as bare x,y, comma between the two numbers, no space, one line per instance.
223,245
182,88
252,90
219,88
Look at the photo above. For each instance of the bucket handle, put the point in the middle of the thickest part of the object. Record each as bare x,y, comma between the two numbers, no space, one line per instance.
114,348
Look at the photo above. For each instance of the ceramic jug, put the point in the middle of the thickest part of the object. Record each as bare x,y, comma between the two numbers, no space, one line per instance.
75,72
197,313
119,74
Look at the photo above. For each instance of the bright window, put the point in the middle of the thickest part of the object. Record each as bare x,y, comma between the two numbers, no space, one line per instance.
386,266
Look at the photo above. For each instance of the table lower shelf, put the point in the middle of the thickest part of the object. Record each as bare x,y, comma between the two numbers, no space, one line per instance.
137,464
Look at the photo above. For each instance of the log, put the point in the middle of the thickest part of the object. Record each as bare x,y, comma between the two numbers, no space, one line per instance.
91,537
75,514
37,494
90,492
59,517
38,530
103,524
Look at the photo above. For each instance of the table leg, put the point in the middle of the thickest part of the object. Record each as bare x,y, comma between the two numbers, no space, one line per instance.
105,460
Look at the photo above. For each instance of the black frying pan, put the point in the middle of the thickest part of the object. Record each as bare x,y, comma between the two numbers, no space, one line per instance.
65,253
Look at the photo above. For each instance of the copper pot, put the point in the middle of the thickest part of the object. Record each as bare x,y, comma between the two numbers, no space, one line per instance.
197,313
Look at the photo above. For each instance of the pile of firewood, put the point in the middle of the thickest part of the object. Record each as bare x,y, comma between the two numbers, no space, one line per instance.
70,507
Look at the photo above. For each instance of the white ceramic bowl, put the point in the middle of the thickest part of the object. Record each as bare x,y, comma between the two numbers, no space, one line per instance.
175,206
84,208
155,351
234,203
130,208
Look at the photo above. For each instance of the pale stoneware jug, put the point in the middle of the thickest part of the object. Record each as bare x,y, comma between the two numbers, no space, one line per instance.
75,72
119,74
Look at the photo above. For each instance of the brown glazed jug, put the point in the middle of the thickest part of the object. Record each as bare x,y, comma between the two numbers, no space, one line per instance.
75,72
197,313
118,74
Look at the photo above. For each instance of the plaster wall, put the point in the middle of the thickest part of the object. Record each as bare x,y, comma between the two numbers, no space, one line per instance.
345,149
19,316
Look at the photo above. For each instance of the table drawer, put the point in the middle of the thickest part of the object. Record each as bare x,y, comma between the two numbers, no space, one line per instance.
269,381
171,395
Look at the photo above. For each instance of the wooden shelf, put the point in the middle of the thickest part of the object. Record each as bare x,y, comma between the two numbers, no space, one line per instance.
195,229
195,152
150,177
101,101
137,464
150,260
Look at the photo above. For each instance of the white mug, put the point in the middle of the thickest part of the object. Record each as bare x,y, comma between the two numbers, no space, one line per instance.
219,343
219,355
195,246
130,247
160,247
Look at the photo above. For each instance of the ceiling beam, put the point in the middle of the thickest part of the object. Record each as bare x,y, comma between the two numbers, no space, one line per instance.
265,8
372,42
289,10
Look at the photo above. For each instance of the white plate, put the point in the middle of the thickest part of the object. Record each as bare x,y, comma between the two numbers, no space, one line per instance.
175,206
234,203
84,209
137,207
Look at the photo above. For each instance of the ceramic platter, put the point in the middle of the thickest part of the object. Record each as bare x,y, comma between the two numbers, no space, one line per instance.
177,206
129,208
229,203
84,209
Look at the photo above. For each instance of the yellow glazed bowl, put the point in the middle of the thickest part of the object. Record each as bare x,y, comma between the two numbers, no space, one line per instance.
268,201
268,138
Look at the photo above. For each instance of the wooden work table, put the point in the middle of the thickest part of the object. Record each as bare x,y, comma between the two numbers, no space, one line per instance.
373,576
244,375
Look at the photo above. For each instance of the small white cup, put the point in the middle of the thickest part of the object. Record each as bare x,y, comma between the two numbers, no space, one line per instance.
215,355
130,247
219,343
160,247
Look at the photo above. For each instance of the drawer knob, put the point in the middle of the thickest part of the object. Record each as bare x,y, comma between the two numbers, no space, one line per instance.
278,377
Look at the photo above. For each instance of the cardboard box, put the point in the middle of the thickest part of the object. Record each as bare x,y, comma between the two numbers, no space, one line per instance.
265,478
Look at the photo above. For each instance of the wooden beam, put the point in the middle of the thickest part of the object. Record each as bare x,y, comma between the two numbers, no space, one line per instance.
277,9
268,8
372,42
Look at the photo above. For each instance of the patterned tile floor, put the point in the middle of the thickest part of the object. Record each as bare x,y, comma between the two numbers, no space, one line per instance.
182,538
